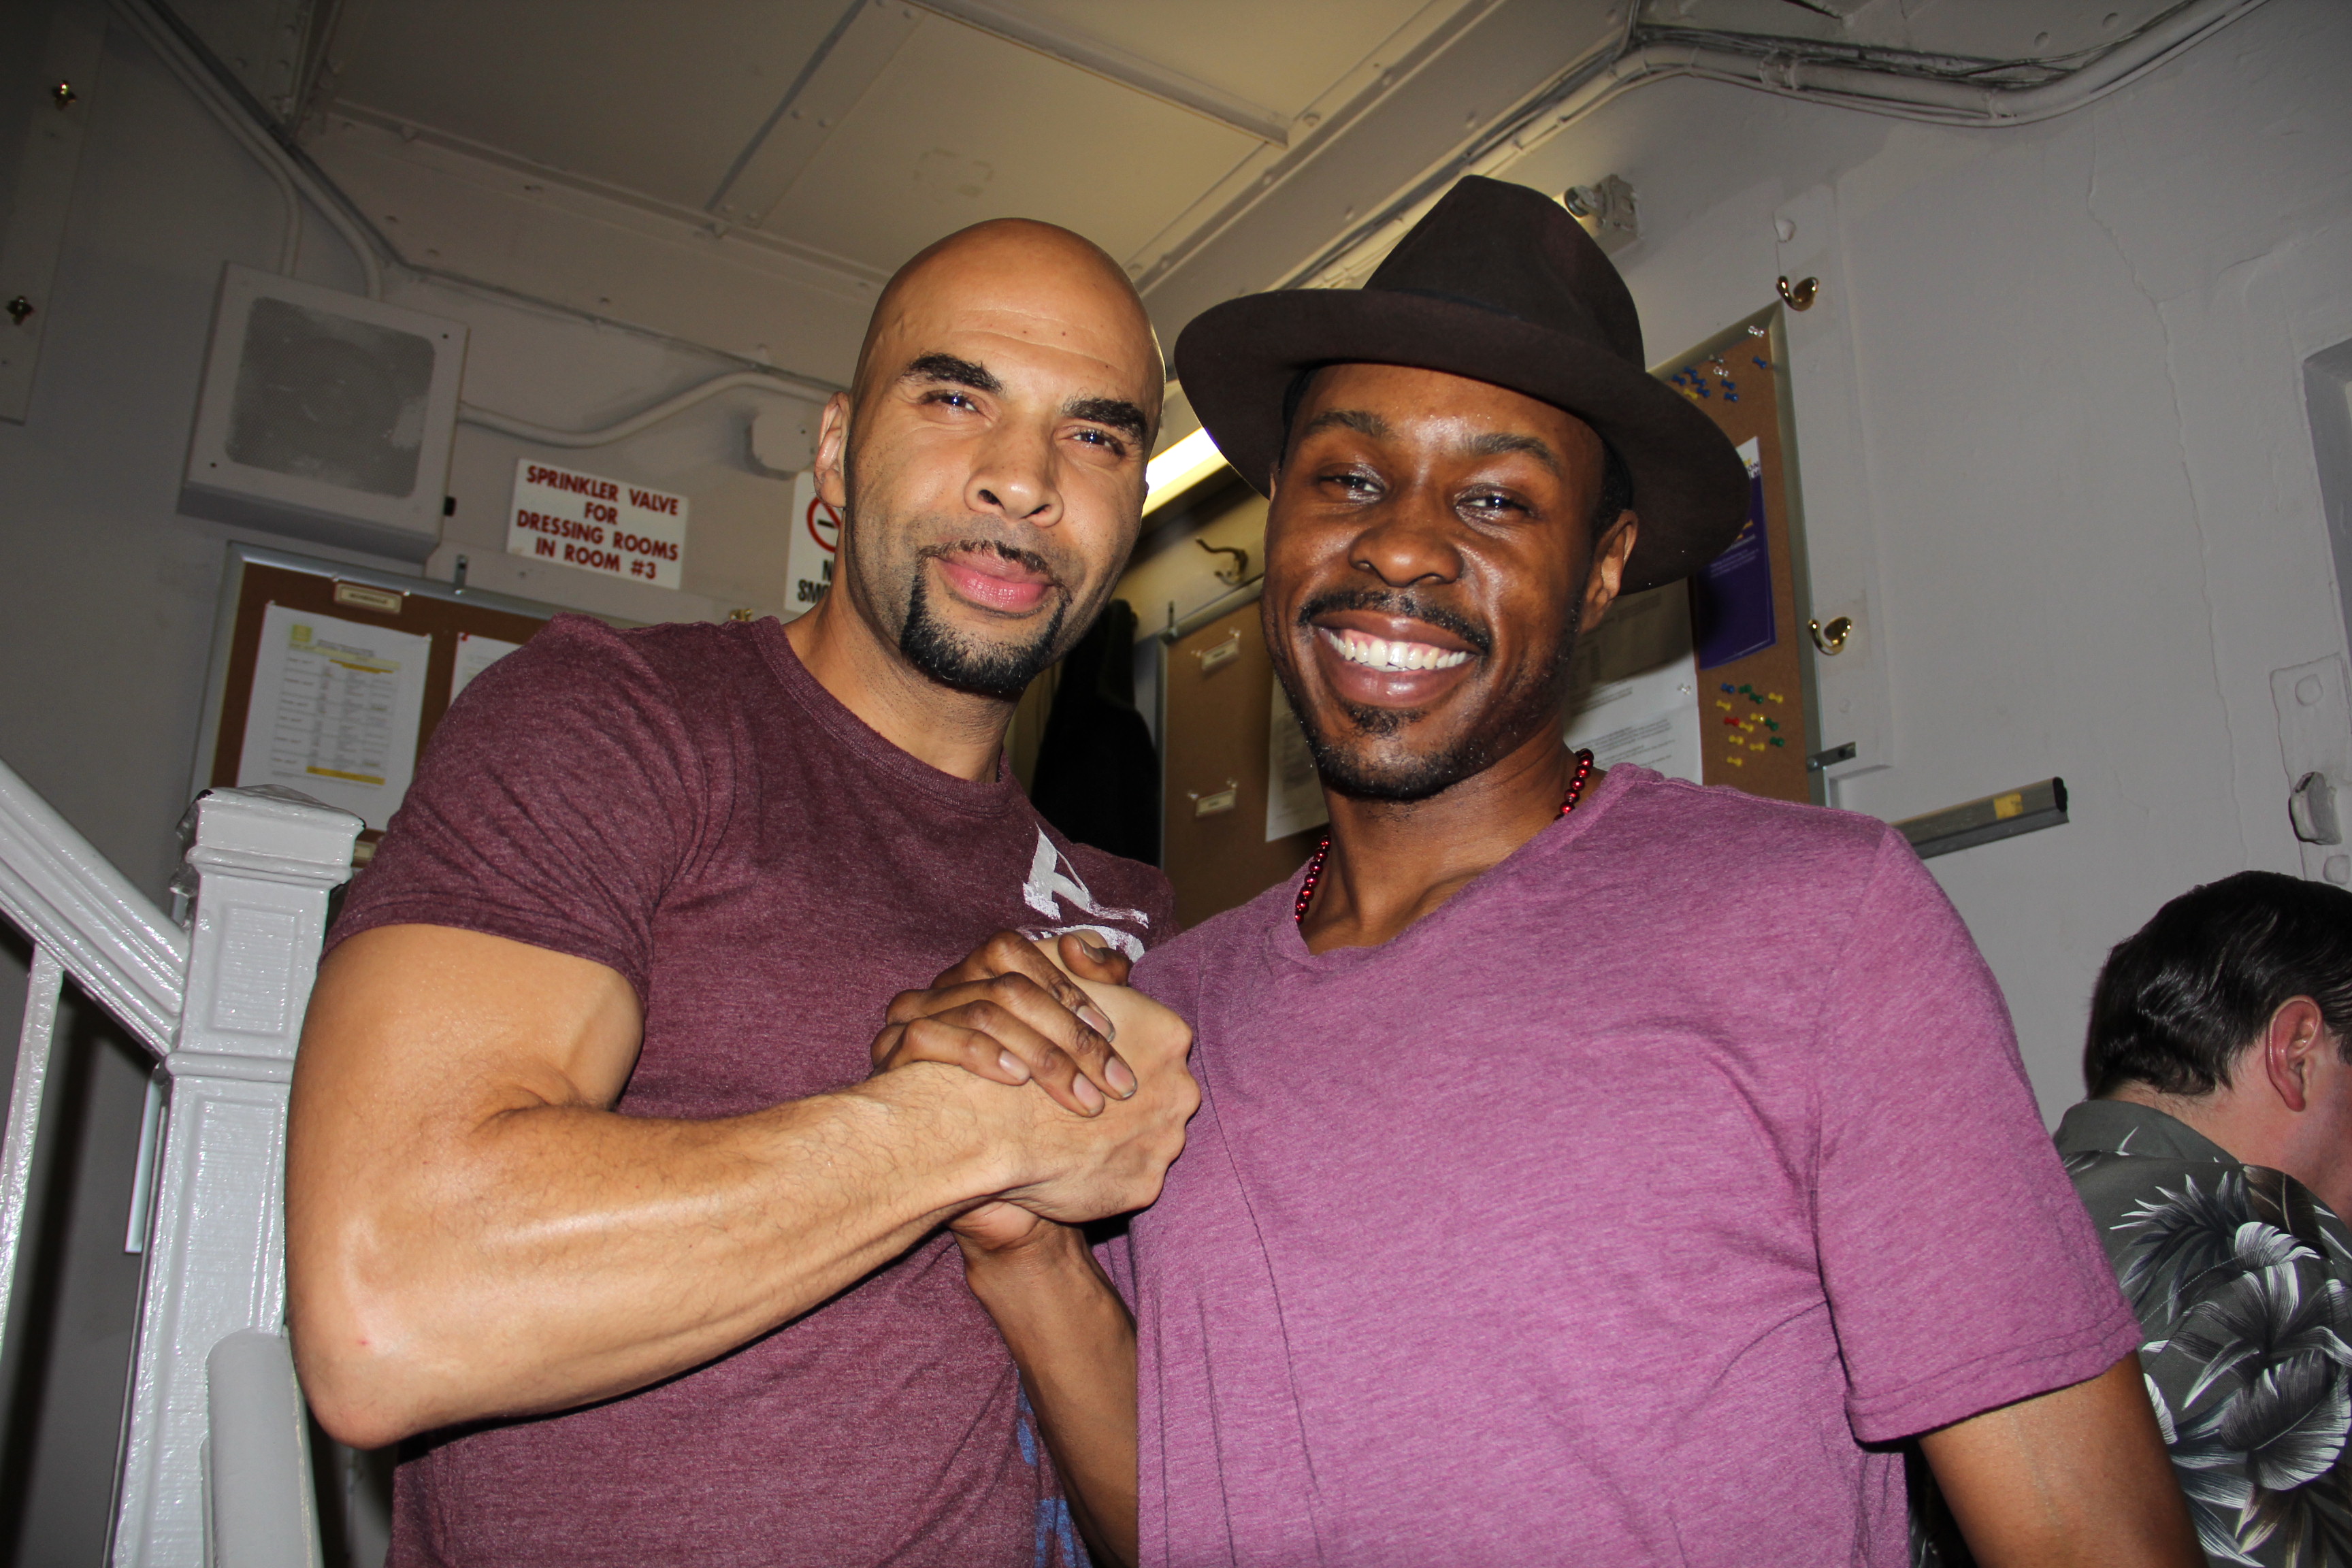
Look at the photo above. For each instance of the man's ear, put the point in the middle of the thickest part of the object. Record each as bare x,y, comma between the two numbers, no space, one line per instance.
1610,554
832,445
2295,1034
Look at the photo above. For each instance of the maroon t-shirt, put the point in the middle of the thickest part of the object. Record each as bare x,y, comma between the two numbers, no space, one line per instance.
688,805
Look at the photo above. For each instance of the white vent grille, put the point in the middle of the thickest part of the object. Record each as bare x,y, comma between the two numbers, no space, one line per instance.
325,416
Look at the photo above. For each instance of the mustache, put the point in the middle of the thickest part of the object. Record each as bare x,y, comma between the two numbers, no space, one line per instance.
1012,552
1398,602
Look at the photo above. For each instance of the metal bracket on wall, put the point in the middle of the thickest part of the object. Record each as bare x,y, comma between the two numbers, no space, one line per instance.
1223,604
2002,815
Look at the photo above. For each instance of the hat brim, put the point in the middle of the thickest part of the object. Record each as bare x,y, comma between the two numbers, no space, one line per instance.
1237,359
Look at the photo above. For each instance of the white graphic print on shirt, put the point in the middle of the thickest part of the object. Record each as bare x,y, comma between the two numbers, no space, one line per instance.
1053,882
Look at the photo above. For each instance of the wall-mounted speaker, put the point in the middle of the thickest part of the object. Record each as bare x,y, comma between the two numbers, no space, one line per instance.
325,416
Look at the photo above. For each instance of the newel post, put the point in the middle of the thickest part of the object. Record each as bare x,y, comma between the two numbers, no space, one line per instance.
262,864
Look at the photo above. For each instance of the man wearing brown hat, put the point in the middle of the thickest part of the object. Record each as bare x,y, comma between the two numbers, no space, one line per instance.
1592,1169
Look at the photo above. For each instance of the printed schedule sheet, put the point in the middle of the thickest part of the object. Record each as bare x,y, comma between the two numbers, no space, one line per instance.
335,710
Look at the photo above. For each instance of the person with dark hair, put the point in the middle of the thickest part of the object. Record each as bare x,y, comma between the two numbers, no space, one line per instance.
2215,1155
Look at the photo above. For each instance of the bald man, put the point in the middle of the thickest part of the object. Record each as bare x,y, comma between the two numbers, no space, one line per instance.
589,1189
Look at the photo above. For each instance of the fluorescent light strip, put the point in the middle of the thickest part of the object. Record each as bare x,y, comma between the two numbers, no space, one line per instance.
1179,468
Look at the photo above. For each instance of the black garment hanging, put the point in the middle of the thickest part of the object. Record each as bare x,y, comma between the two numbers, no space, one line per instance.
1098,775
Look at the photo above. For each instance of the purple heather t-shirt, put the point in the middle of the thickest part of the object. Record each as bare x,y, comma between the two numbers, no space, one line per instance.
687,806
1604,1214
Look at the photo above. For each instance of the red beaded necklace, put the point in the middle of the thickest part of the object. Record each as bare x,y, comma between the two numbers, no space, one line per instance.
1314,866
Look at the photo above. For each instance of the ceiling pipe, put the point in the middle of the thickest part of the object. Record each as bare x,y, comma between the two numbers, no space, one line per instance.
192,75
1789,74
294,178
645,419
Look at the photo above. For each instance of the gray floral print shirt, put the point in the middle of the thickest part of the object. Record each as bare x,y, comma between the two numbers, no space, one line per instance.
2238,1274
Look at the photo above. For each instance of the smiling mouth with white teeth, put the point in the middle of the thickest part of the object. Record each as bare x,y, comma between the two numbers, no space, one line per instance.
1376,653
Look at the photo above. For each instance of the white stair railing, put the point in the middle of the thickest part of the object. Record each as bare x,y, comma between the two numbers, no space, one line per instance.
66,896
85,919
222,1007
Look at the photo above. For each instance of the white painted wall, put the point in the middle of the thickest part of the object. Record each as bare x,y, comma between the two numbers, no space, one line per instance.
2051,428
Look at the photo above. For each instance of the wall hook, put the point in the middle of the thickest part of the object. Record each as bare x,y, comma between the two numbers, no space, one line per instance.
1831,638
1802,293
63,95
18,308
1230,576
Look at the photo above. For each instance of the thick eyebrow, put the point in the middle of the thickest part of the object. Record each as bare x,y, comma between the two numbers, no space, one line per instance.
1356,419
948,371
1496,443
1116,411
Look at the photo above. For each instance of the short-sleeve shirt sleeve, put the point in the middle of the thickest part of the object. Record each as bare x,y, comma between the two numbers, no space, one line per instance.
557,802
1962,1271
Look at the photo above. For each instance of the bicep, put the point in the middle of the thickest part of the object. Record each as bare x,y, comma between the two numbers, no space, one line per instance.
417,1029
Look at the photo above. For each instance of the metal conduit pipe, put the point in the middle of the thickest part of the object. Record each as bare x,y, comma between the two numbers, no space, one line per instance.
200,85
765,381
1878,92
294,180
1789,73
295,183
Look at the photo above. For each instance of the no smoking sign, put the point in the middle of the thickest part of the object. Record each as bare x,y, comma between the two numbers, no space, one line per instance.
808,560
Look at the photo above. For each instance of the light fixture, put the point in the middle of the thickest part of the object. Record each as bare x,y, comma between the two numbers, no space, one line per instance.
1179,468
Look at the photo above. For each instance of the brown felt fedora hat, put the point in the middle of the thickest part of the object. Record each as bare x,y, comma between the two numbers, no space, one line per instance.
1497,283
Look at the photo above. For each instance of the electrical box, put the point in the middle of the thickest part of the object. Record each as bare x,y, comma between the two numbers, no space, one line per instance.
783,439
325,416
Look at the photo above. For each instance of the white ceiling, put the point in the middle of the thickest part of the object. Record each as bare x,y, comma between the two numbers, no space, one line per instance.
743,173
855,134
736,172
862,132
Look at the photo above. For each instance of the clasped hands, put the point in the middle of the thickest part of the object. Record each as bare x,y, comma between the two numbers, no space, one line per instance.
1059,1026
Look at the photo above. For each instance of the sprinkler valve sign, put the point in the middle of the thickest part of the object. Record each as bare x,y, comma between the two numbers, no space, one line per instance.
597,524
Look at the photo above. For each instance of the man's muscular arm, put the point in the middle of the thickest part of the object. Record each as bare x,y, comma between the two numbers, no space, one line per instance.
473,1231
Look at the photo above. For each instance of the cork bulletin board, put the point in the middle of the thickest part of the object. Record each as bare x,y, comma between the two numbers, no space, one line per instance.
1749,611
376,660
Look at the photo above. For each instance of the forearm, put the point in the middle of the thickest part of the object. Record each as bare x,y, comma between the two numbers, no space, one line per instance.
2077,1478
1075,1343
550,1255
